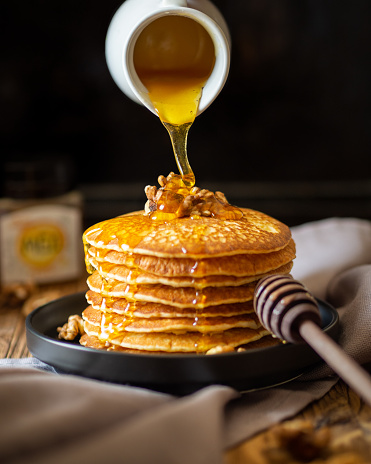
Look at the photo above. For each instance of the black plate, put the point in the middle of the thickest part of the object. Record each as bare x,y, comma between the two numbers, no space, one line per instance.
173,373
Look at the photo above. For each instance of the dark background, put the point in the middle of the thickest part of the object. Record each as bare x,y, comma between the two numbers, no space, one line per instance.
289,134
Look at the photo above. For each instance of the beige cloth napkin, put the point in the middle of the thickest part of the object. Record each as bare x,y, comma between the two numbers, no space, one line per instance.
51,418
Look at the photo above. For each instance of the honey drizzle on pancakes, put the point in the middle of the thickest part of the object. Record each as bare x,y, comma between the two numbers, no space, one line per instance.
132,233
193,237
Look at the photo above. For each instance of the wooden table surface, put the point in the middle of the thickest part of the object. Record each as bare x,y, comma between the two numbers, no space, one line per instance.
334,430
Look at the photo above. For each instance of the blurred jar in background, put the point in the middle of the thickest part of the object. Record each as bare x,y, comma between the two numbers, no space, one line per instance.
40,222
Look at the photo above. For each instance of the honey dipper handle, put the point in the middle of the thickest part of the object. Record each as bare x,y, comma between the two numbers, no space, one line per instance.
351,372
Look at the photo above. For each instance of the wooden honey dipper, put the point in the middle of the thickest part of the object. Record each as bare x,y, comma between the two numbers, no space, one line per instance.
286,308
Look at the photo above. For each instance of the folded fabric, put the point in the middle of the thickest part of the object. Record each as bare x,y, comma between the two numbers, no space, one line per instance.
326,248
47,417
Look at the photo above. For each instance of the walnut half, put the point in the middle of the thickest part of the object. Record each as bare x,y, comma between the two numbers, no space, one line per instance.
72,328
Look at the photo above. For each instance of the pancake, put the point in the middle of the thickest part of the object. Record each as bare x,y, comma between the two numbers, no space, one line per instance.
92,341
126,274
115,323
190,342
240,265
182,297
200,237
149,309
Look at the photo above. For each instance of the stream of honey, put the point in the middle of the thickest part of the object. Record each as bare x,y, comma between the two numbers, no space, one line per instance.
173,57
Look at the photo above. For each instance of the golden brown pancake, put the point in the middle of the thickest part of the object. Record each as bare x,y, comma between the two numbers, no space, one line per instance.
116,323
195,237
126,274
149,309
183,297
94,342
184,342
240,265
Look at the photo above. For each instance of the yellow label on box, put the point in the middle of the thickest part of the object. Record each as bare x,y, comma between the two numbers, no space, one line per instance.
40,244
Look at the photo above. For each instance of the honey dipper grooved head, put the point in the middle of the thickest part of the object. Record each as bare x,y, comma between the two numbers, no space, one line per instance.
281,303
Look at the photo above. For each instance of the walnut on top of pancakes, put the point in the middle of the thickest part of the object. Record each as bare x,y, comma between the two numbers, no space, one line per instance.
174,200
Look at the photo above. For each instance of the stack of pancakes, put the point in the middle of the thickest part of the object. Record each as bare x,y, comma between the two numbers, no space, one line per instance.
181,286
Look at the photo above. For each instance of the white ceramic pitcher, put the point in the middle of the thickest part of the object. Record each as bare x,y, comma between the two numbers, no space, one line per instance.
130,20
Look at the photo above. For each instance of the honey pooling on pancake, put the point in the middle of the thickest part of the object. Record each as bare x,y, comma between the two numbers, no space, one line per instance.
173,57
182,282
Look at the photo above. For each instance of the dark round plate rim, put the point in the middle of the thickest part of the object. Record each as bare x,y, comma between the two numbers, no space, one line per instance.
175,373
